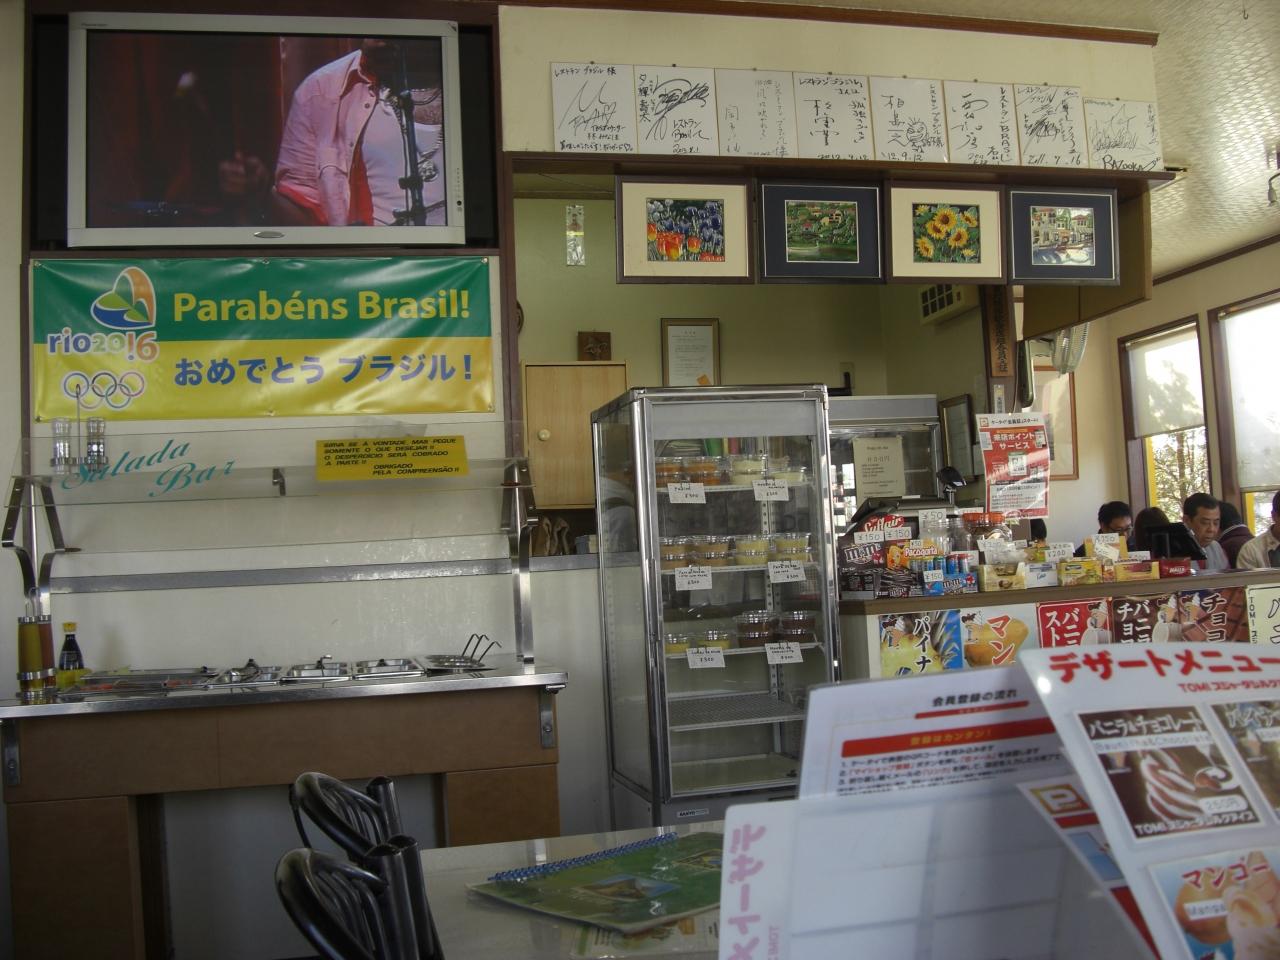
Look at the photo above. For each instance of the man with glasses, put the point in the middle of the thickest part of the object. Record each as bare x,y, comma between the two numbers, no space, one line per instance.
1202,515
1263,551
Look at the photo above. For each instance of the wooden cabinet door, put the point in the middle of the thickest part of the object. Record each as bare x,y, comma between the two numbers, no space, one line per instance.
558,400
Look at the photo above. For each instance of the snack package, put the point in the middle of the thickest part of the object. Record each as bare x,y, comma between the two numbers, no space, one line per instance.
1042,575
1137,570
1002,576
1175,567
1074,572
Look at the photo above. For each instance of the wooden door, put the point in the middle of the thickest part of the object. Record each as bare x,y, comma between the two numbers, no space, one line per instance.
558,400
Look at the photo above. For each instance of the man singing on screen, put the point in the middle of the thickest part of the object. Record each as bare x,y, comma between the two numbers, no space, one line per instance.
342,153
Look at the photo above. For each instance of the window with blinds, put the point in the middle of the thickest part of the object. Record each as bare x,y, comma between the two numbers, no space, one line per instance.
1164,377
1249,339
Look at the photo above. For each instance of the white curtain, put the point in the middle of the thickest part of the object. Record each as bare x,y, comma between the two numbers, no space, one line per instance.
1252,339
1164,373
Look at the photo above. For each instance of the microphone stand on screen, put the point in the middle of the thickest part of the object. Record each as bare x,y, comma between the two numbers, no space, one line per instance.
416,211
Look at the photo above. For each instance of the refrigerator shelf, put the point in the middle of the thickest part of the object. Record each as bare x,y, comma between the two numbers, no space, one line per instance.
740,651
761,771
737,568
731,710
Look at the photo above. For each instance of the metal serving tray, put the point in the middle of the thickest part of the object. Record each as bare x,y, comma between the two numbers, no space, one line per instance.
250,675
322,669
383,668
452,662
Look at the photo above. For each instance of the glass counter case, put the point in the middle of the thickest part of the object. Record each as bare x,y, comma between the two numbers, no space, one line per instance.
717,592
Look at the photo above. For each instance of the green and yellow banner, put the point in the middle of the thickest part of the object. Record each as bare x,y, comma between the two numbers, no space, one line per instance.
189,339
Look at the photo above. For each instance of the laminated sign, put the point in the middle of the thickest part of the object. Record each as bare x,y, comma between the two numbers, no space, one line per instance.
1015,460
182,339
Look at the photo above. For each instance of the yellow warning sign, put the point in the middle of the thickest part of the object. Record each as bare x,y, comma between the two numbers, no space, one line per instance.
391,458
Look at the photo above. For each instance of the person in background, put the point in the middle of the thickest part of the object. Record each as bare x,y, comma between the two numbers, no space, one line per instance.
1037,532
1202,515
1113,517
1147,518
1263,550
1234,533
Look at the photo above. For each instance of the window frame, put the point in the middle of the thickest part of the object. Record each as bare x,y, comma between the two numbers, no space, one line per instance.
1136,466
1226,440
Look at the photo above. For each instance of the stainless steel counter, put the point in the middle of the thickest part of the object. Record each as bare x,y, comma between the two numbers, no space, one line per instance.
515,675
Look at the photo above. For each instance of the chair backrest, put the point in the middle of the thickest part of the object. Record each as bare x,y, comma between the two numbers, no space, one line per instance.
335,904
351,818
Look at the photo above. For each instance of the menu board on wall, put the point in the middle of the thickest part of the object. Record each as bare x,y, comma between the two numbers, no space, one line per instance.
1051,130
981,126
594,106
908,119
676,110
833,116
756,113
1123,134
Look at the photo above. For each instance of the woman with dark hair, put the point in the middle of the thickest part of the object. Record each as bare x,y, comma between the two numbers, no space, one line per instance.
1234,533
1146,519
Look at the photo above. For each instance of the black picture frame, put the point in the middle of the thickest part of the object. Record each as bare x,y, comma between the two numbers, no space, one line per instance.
955,415
1033,260
776,263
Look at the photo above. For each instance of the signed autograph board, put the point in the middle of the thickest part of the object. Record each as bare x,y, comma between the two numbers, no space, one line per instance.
594,106
676,110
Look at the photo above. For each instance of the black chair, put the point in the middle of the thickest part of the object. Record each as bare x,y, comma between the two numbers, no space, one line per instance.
366,826
335,904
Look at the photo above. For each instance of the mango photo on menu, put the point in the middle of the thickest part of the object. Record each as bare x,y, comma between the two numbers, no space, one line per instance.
1226,905
1254,728
1167,772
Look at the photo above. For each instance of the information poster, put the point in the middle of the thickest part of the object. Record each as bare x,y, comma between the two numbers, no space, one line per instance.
1015,460
878,467
1176,749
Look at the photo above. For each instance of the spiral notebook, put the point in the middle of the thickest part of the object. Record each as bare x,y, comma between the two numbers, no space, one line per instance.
628,888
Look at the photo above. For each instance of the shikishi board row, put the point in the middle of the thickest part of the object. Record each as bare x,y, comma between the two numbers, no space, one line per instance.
674,110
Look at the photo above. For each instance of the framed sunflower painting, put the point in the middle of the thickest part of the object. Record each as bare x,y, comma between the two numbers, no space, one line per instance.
940,232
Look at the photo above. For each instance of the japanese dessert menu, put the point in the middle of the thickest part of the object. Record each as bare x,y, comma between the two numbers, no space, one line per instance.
1178,749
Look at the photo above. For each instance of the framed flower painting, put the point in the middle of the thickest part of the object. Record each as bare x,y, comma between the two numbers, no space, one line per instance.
943,232
671,231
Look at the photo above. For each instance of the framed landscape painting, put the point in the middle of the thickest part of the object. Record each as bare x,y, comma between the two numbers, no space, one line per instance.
944,232
1063,236
819,232
672,231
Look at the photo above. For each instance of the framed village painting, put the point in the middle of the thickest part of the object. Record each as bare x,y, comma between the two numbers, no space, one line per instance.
672,231
940,231
819,231
1063,236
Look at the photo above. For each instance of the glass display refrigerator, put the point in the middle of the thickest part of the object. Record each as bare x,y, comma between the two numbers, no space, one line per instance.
717,592
910,423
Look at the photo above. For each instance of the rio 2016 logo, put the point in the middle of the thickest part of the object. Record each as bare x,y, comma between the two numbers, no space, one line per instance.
128,312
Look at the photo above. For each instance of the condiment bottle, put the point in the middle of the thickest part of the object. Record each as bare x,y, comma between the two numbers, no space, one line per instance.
70,660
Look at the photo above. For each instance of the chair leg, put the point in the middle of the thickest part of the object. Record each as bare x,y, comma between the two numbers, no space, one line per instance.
389,861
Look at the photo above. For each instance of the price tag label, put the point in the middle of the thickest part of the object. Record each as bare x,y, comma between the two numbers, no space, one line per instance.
1111,538
785,571
788,652
771,489
693,578
1106,551
705,658
868,536
1054,552
932,520
1017,464
933,576
687,492
897,533
1140,555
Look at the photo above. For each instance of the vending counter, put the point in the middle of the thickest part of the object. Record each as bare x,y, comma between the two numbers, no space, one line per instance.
917,635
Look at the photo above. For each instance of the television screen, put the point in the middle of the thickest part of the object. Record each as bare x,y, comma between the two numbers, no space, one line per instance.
251,130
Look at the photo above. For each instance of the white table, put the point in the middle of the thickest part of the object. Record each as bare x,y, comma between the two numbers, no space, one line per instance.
475,927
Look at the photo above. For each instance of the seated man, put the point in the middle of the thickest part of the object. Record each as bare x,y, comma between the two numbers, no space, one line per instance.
1113,517
1263,550
1202,514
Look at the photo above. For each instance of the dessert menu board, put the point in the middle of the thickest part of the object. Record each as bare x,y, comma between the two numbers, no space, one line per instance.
1176,747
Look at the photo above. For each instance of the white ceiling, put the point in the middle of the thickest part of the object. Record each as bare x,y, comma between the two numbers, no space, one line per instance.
1218,91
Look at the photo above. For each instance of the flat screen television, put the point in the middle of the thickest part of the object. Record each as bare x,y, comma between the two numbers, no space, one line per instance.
247,130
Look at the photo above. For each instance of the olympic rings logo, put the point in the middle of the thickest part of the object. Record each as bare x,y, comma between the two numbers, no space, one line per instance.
92,391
